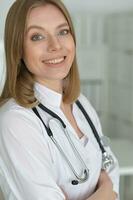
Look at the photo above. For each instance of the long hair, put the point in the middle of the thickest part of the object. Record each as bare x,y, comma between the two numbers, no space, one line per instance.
19,82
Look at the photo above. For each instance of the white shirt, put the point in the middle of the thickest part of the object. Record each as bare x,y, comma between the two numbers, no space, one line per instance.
33,167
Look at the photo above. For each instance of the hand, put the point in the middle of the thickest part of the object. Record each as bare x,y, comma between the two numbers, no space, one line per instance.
105,181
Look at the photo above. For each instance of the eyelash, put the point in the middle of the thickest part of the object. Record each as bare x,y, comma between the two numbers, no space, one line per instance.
64,31
38,37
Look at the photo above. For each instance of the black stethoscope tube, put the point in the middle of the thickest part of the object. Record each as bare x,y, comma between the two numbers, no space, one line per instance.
50,112
50,134
64,126
107,159
91,125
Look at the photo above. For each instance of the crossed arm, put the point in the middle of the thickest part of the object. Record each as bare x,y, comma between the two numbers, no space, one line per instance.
104,190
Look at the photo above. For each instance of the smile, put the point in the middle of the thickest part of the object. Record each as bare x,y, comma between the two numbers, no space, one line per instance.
55,61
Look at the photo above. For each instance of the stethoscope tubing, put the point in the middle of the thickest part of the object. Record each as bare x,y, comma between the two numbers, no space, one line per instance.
92,126
86,116
86,170
70,165
107,159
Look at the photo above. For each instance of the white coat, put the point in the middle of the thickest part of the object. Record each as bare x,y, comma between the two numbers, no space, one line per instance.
33,167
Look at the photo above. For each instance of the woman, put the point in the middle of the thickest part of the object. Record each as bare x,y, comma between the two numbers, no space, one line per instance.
39,158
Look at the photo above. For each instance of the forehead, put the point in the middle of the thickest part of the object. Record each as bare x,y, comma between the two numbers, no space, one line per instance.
45,15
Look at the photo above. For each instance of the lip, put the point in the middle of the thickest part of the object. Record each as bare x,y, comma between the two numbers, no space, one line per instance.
55,64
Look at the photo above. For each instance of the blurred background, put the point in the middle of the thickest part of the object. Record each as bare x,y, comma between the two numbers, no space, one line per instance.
104,31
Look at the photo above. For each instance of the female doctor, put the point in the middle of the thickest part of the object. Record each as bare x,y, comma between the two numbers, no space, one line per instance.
50,136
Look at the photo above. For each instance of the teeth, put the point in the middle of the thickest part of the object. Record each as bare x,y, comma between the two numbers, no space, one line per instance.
54,61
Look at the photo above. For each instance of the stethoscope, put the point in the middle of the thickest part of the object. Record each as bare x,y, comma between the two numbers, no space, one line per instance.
107,159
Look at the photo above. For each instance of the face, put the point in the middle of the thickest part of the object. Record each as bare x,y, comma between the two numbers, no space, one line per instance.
49,47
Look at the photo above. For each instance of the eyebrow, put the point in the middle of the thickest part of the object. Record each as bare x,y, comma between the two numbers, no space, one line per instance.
41,28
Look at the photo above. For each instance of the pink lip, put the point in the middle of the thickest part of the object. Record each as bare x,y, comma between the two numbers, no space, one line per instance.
55,65
54,58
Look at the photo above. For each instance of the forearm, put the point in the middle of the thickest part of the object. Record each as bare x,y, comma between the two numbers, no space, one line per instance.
104,189
103,193
100,194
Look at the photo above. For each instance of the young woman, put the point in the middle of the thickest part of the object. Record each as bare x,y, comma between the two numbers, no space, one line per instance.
48,146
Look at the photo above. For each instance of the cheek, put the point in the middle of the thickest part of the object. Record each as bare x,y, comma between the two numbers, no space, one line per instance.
71,47
29,59
73,51
30,54
69,44
28,51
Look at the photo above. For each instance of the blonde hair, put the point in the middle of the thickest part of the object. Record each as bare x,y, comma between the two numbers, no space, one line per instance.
19,82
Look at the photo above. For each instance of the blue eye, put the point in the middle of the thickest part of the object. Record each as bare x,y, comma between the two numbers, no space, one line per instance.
64,32
37,37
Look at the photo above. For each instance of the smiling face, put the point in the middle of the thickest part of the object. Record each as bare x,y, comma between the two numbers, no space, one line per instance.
49,48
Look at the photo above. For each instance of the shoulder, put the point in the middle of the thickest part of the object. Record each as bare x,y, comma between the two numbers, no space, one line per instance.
13,115
11,109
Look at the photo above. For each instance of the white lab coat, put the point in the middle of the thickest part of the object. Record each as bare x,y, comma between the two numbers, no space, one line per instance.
33,167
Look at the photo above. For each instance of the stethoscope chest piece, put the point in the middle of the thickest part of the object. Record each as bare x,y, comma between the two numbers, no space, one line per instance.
107,161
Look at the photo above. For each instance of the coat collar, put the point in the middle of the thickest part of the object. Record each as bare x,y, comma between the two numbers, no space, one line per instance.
47,96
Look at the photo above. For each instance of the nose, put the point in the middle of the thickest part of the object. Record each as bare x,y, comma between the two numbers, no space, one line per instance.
54,44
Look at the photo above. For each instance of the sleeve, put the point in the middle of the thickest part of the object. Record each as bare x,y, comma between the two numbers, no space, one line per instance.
114,173
25,152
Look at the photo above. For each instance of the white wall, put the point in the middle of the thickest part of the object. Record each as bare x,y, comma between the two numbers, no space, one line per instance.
105,54
103,6
2,66
4,6
106,6
119,32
